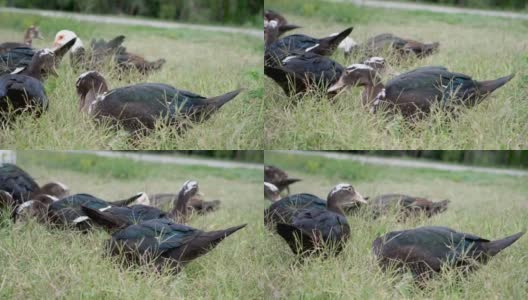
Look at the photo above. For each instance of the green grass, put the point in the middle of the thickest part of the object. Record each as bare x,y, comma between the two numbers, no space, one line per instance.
207,63
40,263
484,48
490,206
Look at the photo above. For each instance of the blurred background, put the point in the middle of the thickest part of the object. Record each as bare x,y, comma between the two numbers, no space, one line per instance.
236,12
511,159
495,4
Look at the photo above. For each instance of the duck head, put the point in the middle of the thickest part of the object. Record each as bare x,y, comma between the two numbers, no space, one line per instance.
376,62
55,189
188,190
64,36
355,75
33,32
42,64
343,194
437,207
89,85
271,192
271,32
31,209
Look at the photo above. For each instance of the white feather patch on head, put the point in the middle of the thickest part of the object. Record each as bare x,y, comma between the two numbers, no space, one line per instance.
18,70
44,52
347,44
273,23
53,198
24,206
80,219
61,185
85,74
143,199
105,208
359,67
271,186
288,58
311,48
189,185
339,187
375,59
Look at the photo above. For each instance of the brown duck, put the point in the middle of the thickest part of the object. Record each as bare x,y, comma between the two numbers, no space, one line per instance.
425,250
33,32
415,92
407,206
401,46
138,107
282,24
278,178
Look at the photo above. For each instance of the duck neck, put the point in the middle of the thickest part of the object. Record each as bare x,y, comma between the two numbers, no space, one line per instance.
34,70
332,205
88,98
179,211
28,39
372,90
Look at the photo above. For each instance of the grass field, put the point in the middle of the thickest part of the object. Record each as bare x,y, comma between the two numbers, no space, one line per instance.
207,63
488,205
38,263
484,48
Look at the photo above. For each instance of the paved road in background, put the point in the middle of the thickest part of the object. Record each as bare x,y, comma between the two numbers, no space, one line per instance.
177,160
406,163
435,8
122,20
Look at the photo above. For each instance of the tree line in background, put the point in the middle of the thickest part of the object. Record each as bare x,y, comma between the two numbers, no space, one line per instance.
254,156
240,12
503,4
481,158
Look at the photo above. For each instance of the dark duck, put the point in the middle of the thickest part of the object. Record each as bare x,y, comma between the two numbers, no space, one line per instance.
197,204
401,46
161,241
20,58
425,250
23,89
315,229
284,209
277,50
304,72
274,19
407,206
271,192
138,107
33,32
415,92
22,187
67,212
101,50
278,178
117,217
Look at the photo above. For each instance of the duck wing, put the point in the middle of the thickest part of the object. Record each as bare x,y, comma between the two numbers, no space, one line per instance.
16,182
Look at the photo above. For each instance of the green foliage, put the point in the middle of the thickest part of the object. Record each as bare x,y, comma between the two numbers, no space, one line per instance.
313,122
492,206
123,168
357,172
493,4
39,262
202,11
207,63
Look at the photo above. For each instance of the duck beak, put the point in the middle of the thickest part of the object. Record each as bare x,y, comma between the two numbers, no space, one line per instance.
340,84
358,198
